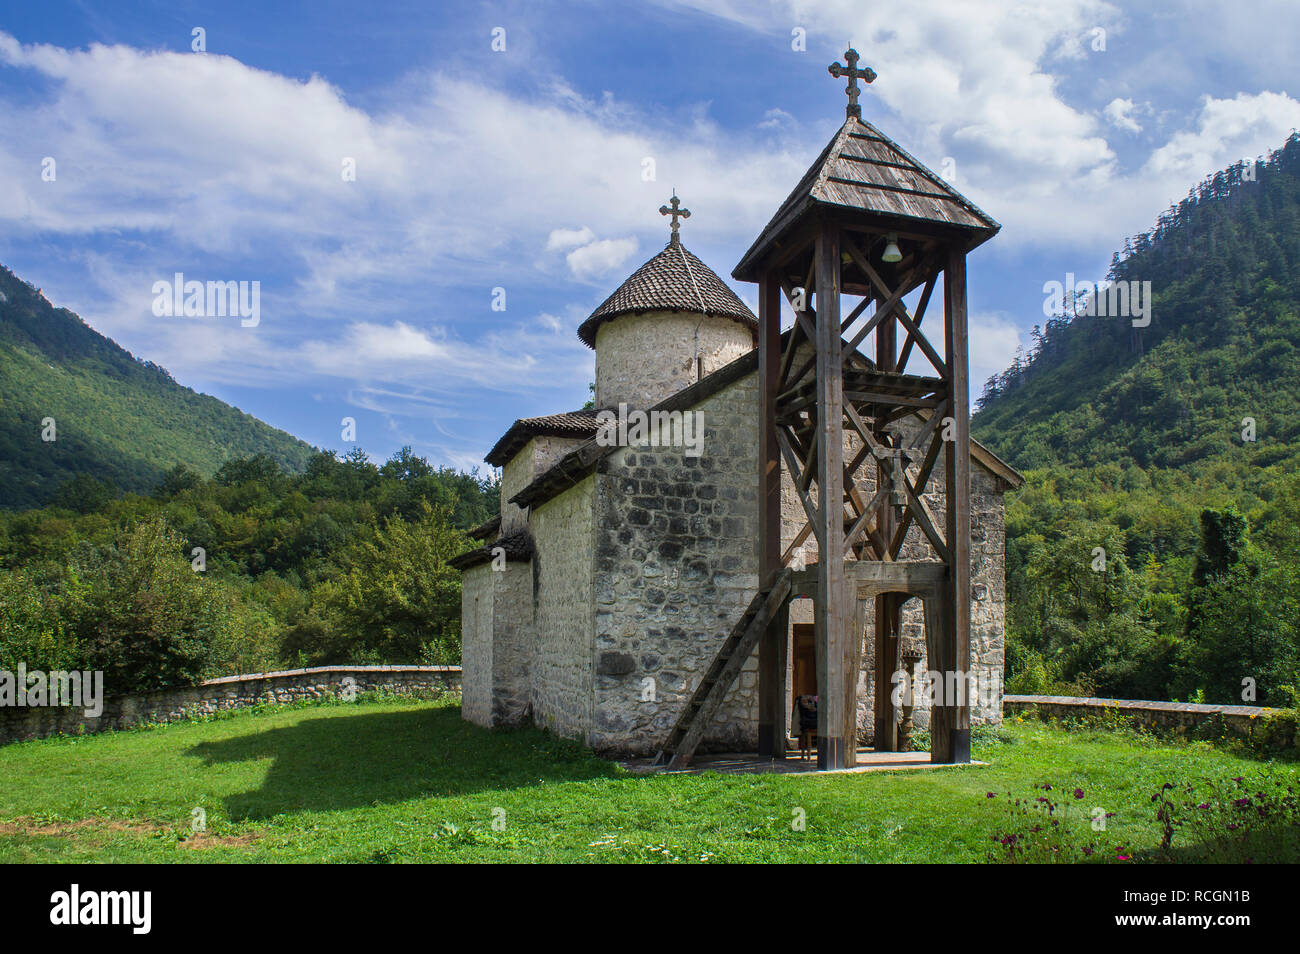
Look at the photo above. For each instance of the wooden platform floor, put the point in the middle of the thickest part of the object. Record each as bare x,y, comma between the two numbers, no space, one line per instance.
748,763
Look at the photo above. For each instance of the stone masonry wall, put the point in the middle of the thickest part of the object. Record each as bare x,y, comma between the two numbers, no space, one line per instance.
514,644
533,459
228,692
642,359
476,609
676,565
562,594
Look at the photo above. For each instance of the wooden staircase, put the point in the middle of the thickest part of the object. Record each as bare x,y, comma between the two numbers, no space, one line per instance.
722,672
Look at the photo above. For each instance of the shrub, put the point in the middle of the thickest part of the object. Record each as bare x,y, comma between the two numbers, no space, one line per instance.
32,628
140,613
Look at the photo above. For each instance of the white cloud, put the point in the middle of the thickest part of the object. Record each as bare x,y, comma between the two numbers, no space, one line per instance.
1119,113
1226,130
776,118
205,157
600,258
993,342
971,72
201,158
986,82
561,239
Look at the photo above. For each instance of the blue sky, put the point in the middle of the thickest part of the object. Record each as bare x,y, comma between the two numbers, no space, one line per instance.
1073,122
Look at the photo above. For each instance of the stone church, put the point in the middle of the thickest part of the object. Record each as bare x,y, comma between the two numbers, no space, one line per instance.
603,591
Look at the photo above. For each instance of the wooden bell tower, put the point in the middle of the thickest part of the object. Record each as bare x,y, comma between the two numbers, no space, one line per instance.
867,222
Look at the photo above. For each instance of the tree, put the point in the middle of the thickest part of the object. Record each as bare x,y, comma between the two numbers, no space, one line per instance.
176,481
1234,636
140,612
398,602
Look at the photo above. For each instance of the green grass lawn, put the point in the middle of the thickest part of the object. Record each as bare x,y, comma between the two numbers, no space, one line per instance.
410,781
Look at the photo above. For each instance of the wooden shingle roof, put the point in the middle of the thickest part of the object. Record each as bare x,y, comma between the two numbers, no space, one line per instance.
862,169
674,280
581,424
518,546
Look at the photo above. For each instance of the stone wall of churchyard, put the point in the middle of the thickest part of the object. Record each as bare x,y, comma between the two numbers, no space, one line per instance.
1178,718
988,587
563,596
642,359
676,566
229,692
477,605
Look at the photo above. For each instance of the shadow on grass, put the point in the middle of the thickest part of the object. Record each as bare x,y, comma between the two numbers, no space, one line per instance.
369,758
1277,843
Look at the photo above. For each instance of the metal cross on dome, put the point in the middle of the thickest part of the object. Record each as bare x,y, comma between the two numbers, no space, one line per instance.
866,74
676,211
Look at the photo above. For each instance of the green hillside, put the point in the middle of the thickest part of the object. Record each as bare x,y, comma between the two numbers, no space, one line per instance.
117,419
1173,451
1223,342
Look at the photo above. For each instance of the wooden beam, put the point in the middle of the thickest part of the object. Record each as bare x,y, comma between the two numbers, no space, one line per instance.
792,462
920,316
950,731
836,715
772,643
922,478
805,478
900,312
804,533
874,535
888,619
889,301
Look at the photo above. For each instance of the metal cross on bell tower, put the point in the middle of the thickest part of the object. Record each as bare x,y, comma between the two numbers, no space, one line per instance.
676,211
866,74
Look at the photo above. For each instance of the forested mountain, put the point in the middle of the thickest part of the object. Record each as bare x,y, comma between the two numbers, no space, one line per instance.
1222,343
119,423
1153,551
164,537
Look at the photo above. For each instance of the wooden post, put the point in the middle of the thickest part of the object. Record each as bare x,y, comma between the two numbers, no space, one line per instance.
887,648
888,616
950,722
836,722
772,645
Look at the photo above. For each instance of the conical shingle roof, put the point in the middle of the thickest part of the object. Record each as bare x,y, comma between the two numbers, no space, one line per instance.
674,280
864,170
